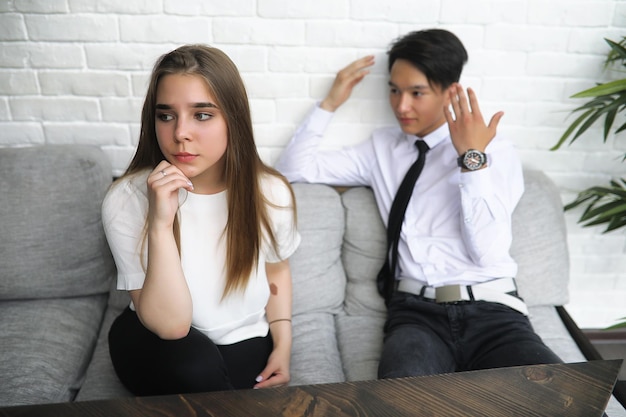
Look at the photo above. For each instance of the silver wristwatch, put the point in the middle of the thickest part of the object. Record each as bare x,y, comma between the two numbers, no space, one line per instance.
472,160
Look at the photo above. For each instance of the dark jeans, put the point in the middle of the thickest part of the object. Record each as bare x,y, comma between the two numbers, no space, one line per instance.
426,338
149,365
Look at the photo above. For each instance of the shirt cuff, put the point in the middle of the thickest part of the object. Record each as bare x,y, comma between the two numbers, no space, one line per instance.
319,119
477,183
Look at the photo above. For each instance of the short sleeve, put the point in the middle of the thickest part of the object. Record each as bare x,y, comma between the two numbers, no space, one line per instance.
124,211
281,211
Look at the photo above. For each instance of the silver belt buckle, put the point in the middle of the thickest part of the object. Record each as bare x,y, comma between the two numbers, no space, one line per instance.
448,294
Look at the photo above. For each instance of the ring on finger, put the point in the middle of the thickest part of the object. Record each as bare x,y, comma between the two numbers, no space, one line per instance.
163,172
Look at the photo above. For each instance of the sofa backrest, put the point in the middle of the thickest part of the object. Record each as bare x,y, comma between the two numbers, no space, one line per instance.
318,275
319,284
52,243
363,252
540,243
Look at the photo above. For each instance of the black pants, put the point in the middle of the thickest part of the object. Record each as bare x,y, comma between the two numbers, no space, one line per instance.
149,365
426,338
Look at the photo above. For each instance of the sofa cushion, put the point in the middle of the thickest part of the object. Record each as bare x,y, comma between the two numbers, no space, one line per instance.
315,355
52,241
318,285
317,273
46,346
360,327
540,243
363,252
360,345
548,324
101,381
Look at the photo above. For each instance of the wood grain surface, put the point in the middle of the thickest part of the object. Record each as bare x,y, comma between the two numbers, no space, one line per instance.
572,390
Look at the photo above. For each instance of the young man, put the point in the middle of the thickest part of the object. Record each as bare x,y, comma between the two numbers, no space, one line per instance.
452,300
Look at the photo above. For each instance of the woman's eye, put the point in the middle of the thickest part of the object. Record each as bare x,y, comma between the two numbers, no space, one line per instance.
164,117
203,116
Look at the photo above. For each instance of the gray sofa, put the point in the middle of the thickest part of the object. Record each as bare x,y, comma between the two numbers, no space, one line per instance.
57,277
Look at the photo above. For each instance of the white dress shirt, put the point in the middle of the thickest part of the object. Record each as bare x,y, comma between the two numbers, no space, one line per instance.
457,227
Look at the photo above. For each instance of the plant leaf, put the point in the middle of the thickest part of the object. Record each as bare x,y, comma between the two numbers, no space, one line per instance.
580,200
571,129
618,52
587,124
614,224
606,89
621,128
607,211
603,205
618,325
608,122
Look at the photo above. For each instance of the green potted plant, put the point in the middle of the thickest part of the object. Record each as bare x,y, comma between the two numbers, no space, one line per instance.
603,205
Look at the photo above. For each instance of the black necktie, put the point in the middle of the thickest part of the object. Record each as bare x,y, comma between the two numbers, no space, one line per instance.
386,277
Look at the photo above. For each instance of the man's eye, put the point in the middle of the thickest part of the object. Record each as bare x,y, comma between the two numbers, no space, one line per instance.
393,91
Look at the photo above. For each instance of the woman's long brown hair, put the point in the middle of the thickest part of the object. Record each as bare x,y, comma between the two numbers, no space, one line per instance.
247,208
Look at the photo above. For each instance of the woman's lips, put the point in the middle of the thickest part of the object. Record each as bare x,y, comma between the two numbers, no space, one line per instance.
185,157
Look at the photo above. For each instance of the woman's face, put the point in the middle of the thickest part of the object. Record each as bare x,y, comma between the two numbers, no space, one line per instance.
191,130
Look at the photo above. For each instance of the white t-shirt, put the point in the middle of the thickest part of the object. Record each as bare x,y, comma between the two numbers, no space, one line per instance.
202,218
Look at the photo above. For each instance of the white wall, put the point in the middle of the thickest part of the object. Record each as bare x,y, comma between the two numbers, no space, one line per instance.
74,71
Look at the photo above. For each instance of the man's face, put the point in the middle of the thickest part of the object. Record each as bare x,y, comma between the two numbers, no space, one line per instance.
417,106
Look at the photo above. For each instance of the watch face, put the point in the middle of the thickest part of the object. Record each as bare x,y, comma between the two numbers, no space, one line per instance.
474,159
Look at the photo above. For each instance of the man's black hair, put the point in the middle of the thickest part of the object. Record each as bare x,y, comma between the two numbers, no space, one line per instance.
437,53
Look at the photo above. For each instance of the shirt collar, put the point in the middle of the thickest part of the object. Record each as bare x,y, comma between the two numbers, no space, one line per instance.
434,138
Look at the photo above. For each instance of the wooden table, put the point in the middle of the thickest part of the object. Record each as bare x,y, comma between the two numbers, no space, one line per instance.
581,389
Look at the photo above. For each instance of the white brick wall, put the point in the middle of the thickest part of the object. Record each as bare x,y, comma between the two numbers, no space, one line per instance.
75,71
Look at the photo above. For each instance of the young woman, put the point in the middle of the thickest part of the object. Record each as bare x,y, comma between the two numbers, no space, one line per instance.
201,232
